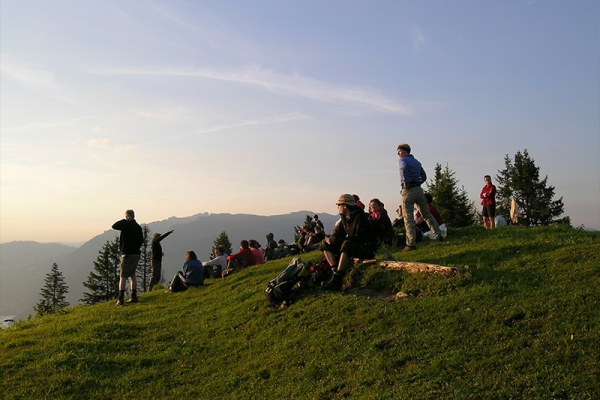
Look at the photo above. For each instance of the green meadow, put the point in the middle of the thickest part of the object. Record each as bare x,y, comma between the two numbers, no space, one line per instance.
520,321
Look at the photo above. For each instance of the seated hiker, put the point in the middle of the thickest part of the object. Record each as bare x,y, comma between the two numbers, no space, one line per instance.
314,238
192,274
215,267
421,224
317,222
380,222
242,259
259,257
270,247
282,249
352,237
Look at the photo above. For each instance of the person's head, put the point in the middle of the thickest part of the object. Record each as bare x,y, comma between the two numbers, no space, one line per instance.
429,198
399,211
129,214
403,149
218,250
375,205
190,255
281,242
156,236
270,236
244,244
346,203
487,179
253,243
316,217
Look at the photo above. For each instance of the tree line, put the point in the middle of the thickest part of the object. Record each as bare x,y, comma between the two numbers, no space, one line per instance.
519,180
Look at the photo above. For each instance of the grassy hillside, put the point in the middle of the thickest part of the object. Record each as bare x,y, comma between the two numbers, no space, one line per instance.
522,320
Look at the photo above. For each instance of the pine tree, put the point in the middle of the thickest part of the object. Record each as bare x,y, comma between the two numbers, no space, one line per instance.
104,283
222,240
53,293
452,202
520,179
143,272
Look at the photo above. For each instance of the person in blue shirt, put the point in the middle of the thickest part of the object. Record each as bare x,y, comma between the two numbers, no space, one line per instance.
192,274
412,176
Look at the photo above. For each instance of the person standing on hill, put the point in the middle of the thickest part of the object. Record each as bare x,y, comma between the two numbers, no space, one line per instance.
488,201
412,176
130,241
156,260
352,237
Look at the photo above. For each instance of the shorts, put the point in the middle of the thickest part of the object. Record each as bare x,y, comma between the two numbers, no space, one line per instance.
353,249
489,211
129,263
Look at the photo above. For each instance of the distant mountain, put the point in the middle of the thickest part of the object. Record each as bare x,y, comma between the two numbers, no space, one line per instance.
24,265
23,268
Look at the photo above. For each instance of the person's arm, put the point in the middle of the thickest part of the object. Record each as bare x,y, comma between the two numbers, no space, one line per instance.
423,175
214,261
165,235
119,225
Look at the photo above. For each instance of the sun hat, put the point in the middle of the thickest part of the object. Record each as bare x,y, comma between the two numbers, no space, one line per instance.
346,199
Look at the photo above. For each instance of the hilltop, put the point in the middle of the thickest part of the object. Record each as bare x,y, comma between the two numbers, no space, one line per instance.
521,320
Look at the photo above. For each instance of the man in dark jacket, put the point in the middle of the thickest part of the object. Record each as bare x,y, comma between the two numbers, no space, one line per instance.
130,241
157,255
352,237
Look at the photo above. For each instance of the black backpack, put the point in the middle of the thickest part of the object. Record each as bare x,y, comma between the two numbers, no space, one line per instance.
288,283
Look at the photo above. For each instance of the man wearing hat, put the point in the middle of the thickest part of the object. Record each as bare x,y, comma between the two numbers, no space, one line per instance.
412,176
352,237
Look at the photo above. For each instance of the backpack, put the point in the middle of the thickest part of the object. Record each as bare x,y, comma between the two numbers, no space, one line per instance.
320,272
284,287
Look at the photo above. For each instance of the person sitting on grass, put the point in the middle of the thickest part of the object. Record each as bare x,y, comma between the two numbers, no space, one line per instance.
215,267
259,257
352,237
192,274
242,259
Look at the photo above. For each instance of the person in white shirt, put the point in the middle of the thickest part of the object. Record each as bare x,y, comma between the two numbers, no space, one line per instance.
214,267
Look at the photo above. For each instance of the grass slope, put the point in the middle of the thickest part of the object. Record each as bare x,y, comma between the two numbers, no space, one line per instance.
522,320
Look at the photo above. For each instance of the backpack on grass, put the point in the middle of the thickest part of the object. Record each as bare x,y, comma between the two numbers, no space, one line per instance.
285,286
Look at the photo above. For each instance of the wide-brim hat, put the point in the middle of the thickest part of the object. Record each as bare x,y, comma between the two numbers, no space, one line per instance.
346,199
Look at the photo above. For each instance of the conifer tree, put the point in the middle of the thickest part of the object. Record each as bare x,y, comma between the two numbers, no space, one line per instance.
143,272
222,240
53,293
103,284
452,202
520,179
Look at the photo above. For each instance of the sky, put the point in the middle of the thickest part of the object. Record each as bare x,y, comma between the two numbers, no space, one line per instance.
174,108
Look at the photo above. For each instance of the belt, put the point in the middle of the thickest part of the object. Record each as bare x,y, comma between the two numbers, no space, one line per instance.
414,184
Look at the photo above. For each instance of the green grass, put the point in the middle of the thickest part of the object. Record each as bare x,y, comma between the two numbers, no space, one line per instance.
522,320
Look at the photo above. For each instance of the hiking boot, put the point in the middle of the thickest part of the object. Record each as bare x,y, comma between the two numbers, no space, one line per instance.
334,283
133,300
409,248
120,303
441,238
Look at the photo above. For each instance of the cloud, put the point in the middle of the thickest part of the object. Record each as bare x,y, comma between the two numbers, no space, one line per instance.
295,116
290,85
98,143
418,39
32,77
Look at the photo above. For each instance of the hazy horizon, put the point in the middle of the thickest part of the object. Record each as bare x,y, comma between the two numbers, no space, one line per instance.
171,108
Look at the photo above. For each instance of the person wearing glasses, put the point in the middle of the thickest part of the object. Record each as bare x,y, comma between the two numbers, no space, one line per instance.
352,237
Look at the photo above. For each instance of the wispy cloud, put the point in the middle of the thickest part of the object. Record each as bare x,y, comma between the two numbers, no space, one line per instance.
290,85
296,116
32,77
418,39
98,143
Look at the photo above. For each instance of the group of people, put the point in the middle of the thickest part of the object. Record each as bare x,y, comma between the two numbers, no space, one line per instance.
357,234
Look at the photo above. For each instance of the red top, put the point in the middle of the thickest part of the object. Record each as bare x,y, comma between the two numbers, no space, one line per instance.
436,214
244,253
488,194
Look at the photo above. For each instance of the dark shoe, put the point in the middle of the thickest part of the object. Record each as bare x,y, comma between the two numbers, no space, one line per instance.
441,239
120,303
334,283
133,300
409,248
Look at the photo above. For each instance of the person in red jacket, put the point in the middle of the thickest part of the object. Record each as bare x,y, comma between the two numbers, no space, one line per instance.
488,201
242,259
